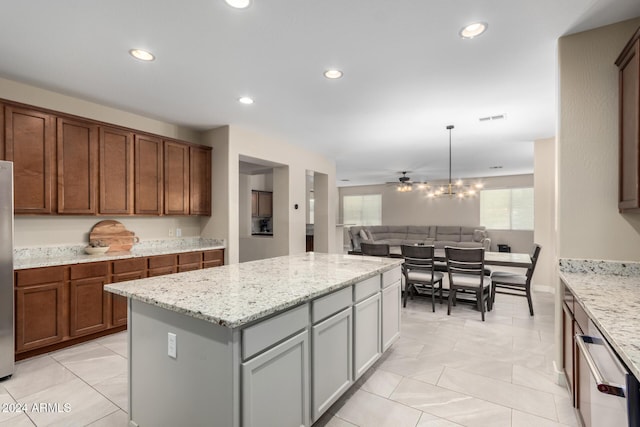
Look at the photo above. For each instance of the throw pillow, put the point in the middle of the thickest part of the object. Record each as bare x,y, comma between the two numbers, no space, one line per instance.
478,235
363,235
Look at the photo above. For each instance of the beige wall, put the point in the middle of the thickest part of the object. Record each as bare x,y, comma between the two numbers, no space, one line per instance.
589,225
32,95
544,227
59,229
230,144
74,230
413,208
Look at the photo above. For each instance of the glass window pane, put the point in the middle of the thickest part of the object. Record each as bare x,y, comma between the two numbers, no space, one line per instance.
362,209
522,209
507,209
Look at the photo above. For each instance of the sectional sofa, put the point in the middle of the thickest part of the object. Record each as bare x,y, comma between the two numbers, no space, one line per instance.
437,235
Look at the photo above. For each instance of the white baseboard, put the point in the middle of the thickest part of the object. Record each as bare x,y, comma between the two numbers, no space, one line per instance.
559,375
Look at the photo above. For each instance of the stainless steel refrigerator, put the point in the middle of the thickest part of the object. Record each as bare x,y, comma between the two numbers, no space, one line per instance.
6,270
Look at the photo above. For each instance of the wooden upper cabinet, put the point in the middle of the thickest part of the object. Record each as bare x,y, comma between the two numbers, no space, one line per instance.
629,125
2,131
148,175
77,156
265,204
116,172
176,178
261,204
254,203
200,181
29,144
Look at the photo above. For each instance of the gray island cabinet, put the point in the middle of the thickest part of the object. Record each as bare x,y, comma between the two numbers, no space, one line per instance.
273,342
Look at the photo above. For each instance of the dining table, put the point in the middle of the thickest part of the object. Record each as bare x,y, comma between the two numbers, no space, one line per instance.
504,259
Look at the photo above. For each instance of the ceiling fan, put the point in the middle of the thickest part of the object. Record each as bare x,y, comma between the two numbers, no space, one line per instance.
404,182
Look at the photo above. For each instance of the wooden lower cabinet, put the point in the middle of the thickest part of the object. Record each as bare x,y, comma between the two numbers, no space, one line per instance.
63,305
40,315
123,270
88,302
214,258
189,261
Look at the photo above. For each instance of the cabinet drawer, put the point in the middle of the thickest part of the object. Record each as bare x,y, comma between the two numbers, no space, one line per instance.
263,335
39,276
366,288
214,255
162,271
162,261
129,265
189,258
211,264
94,269
390,277
324,307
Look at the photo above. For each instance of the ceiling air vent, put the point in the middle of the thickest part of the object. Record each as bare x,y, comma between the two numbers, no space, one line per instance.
491,118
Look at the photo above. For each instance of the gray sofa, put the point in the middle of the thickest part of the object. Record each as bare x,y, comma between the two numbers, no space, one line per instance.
437,235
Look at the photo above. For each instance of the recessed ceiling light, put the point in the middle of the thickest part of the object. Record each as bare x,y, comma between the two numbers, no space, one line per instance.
345,180
142,55
238,4
245,100
333,74
473,30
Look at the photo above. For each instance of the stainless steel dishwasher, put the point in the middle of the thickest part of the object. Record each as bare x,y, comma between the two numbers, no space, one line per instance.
608,394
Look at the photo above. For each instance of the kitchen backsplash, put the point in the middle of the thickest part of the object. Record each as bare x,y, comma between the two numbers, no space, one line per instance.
54,251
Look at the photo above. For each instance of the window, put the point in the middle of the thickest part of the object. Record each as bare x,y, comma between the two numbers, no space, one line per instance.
507,209
362,210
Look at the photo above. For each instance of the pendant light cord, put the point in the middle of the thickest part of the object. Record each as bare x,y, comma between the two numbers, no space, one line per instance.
449,128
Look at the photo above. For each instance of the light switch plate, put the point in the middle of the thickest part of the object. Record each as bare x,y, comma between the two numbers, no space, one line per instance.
172,345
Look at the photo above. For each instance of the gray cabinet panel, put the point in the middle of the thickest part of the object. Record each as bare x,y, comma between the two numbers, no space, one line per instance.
390,315
367,334
275,386
332,360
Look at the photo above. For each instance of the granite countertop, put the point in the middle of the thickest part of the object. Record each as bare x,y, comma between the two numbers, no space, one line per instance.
610,294
234,295
74,254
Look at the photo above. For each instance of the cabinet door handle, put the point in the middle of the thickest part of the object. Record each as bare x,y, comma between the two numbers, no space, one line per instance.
602,384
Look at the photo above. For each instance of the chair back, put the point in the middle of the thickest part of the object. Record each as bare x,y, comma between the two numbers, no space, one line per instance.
375,249
534,260
465,261
418,257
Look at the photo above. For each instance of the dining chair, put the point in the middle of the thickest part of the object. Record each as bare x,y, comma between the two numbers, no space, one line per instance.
375,249
514,283
419,273
465,267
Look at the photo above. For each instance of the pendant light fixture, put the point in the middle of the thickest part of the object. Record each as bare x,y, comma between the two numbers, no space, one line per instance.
458,189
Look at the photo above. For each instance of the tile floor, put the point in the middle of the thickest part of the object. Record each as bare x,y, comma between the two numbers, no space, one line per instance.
444,371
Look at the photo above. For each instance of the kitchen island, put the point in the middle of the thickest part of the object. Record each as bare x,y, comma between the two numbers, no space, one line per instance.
269,342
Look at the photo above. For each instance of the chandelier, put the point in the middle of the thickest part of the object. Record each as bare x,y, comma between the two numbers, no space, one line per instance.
458,189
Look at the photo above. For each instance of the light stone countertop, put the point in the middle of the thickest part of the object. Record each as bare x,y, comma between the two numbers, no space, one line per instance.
610,294
234,295
74,254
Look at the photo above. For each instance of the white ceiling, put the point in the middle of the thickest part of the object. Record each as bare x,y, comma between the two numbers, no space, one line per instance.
407,73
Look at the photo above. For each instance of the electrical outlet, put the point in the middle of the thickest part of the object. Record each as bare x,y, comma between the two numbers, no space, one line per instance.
172,345
178,232
171,232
